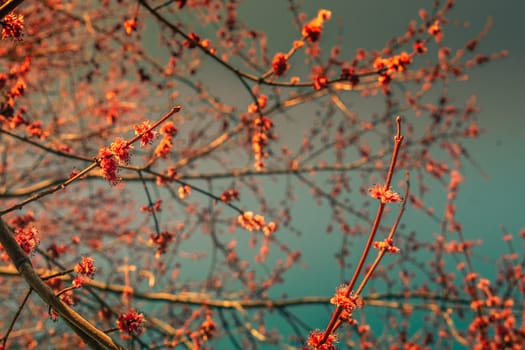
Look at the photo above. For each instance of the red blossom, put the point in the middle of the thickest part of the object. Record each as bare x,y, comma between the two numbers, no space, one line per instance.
28,239
472,130
388,245
12,26
130,25
312,30
86,267
164,148
161,240
262,100
384,195
121,150
347,303
18,89
193,41
184,191
230,195
207,328
131,323
419,47
109,165
78,281
435,31
270,228
169,129
320,82
280,64
259,142
250,221
35,130
315,341
146,134
263,123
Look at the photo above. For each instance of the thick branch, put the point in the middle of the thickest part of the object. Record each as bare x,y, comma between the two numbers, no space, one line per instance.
392,300
8,6
82,327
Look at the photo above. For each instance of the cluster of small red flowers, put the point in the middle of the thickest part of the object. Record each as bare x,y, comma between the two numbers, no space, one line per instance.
393,64
347,303
131,323
315,341
12,26
18,89
280,64
435,31
261,100
389,66
184,191
270,228
146,133
169,130
14,82
85,270
263,126
419,47
130,25
320,82
121,150
230,195
207,328
28,239
253,222
35,129
161,240
109,165
86,267
157,206
385,196
472,130
388,245
194,41
455,179
313,29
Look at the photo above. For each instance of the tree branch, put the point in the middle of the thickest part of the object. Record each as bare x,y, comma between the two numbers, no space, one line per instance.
96,338
8,6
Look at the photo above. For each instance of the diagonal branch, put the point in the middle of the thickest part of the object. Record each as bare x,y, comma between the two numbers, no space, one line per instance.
96,338
8,6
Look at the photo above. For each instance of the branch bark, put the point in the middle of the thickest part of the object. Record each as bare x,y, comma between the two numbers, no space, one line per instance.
8,6
93,336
